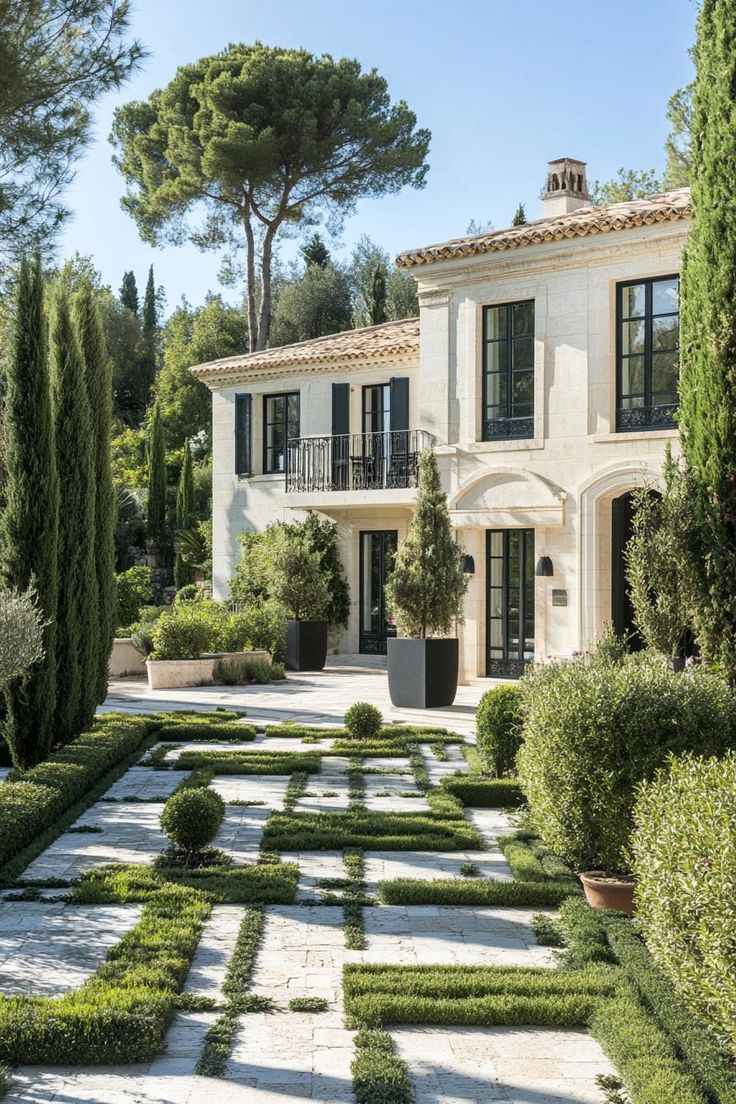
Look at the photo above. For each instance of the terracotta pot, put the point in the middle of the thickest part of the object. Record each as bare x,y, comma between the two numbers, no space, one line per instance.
604,891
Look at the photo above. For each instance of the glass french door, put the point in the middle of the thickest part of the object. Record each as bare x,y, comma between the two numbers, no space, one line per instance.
377,552
510,601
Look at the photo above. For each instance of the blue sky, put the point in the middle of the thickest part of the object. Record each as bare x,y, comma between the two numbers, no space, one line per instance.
503,87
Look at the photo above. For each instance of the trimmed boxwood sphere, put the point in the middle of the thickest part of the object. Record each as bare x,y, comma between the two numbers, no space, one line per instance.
363,721
192,818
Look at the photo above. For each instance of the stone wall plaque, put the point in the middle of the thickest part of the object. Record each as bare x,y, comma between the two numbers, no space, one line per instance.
559,597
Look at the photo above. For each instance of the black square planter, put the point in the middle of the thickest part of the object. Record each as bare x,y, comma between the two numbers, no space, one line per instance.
306,645
422,674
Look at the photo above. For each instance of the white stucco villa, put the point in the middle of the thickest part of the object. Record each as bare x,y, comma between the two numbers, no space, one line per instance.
543,368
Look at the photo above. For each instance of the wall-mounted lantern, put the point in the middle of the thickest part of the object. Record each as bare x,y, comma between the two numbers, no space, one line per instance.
544,566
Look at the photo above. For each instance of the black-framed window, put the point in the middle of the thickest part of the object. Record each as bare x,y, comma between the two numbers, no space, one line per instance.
508,370
280,423
510,601
377,408
243,434
647,353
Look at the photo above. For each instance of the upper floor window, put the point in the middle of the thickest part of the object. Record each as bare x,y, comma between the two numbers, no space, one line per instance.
647,353
508,371
280,423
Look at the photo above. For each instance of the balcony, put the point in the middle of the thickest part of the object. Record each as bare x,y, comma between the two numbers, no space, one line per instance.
355,461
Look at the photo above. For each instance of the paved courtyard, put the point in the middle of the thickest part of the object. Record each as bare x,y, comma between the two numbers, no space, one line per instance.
284,1056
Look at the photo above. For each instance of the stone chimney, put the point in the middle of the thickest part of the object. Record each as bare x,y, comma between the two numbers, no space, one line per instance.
567,187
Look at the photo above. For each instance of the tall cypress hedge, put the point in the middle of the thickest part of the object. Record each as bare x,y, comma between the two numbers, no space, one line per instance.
708,333
28,550
185,515
156,479
77,605
98,374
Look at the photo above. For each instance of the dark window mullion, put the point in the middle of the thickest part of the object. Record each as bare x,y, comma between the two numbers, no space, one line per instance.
648,333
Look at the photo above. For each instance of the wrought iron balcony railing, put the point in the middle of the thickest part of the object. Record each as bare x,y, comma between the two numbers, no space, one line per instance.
356,461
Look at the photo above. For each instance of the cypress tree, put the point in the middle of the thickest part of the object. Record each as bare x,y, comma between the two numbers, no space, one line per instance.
29,525
519,218
76,610
98,374
156,513
427,587
149,326
377,295
185,516
129,293
708,334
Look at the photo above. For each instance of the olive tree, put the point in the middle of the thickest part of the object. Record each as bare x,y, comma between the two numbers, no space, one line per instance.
21,633
261,139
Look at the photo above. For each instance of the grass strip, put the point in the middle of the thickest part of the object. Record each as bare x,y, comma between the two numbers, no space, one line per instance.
367,831
706,1059
472,891
386,734
379,1075
484,793
267,883
219,1039
530,861
120,1014
353,900
642,1053
249,762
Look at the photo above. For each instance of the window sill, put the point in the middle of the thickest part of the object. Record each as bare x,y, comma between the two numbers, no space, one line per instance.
635,435
509,444
261,477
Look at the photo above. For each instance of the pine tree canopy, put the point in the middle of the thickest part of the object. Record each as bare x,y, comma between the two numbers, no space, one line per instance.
315,251
57,57
426,589
265,137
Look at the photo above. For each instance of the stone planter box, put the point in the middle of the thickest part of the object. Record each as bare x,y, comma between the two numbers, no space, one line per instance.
166,674
124,659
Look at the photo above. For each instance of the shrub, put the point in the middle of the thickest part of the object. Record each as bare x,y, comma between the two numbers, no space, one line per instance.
192,817
498,728
363,721
183,632
134,590
593,730
190,592
684,856
483,793
472,891
368,831
296,578
21,633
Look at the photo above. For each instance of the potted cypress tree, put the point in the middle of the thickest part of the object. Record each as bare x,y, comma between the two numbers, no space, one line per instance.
297,582
425,593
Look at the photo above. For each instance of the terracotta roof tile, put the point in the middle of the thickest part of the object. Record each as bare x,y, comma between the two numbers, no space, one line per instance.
388,339
667,207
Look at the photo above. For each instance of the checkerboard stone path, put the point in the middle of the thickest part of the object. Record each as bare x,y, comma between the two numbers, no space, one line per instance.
283,1057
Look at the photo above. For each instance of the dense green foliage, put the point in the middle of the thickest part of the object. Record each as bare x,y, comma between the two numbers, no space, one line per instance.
183,632
483,793
593,730
28,548
98,375
248,762
186,516
684,856
498,728
473,891
77,615
363,721
35,799
188,629
133,591
266,137
267,883
297,581
379,1076
708,337
21,634
156,504
426,588
317,303
191,818
367,831
253,584
58,58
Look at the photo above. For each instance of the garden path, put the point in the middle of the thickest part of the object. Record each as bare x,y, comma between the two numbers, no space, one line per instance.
283,1056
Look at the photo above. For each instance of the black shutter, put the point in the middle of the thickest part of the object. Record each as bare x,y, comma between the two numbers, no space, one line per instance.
340,409
243,434
399,403
340,429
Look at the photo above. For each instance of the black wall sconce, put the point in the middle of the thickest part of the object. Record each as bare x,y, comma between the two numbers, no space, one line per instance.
544,566
467,564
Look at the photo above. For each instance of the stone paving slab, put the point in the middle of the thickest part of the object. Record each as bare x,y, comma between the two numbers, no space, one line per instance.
268,788
332,778
131,833
301,955
144,784
437,769
449,934
47,949
475,1065
382,866
241,831
214,951
307,1060
490,824
314,865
